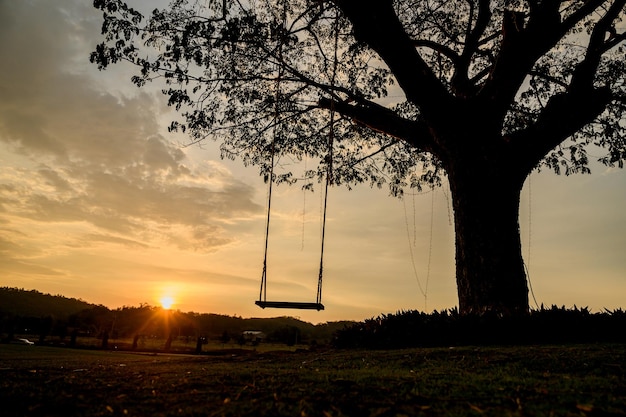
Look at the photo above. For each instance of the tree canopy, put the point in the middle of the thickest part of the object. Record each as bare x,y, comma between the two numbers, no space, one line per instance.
551,71
410,91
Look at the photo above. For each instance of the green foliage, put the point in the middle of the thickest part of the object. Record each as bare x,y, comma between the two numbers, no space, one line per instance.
249,74
449,328
221,72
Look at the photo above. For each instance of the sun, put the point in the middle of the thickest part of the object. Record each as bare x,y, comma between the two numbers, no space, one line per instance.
167,301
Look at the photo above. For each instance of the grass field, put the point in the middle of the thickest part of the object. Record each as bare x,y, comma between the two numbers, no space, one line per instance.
577,380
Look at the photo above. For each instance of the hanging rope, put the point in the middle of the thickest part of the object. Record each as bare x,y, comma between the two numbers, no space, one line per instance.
448,204
423,288
329,163
263,290
408,236
303,209
321,271
527,265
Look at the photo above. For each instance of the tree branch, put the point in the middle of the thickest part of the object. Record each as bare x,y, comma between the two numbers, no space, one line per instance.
376,25
564,115
524,42
460,80
549,78
437,47
568,112
613,41
585,71
384,120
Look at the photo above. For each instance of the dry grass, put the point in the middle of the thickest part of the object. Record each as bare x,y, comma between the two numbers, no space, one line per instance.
577,380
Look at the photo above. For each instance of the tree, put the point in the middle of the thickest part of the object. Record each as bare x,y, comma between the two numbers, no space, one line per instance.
397,92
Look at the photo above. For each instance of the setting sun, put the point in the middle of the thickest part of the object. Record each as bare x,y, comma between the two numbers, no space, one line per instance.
166,302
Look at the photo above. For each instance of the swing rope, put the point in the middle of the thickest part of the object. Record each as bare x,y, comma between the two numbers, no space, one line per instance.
422,288
329,166
263,290
263,303
328,182
530,223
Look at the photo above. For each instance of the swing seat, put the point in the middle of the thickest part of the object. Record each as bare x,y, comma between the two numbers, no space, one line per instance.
290,304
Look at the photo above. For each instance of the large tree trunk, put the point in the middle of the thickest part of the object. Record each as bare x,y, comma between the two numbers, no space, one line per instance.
489,266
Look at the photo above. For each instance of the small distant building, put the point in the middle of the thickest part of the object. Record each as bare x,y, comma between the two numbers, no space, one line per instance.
253,336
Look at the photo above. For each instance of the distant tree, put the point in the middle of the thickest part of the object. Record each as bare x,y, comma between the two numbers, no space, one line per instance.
45,327
60,329
105,339
289,335
488,90
73,337
225,337
168,342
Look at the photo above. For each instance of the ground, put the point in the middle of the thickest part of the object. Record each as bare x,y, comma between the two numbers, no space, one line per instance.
576,380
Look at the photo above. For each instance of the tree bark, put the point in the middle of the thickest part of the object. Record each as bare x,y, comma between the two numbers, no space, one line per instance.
490,270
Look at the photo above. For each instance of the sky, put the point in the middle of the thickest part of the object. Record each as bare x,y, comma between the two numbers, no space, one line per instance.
99,202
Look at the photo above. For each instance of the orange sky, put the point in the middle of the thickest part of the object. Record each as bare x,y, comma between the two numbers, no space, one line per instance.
99,202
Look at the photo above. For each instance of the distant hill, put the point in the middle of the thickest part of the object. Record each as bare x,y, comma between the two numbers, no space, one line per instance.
32,304
20,302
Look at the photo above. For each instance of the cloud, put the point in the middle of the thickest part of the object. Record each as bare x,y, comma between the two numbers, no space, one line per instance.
74,153
15,258
94,237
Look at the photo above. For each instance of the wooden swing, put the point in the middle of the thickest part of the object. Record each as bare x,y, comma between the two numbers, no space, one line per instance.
317,305
299,305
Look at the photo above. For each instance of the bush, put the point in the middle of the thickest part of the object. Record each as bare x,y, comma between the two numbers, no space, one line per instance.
449,328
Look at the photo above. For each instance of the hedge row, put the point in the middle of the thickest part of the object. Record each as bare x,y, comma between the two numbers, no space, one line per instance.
449,328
